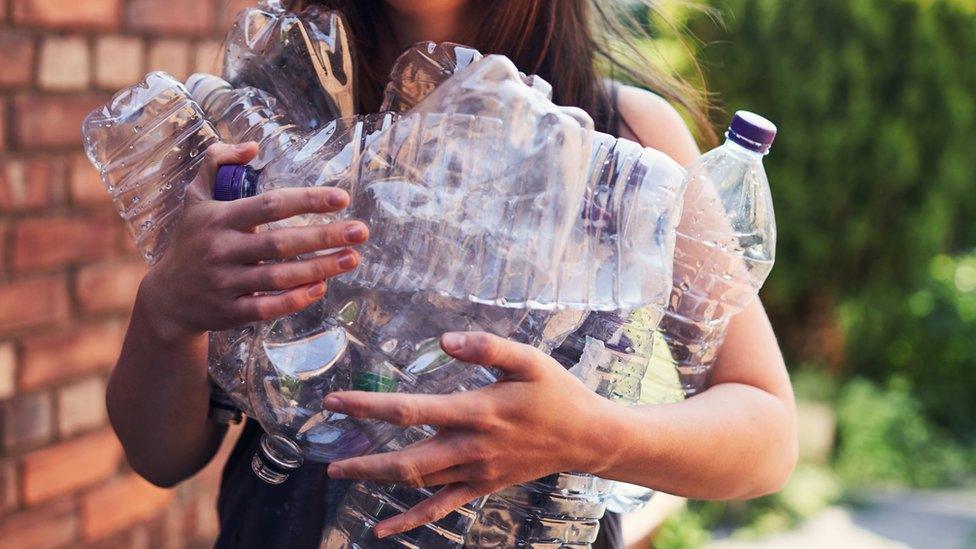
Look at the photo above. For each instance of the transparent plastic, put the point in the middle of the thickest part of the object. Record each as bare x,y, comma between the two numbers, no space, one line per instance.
725,250
426,65
370,502
301,58
148,144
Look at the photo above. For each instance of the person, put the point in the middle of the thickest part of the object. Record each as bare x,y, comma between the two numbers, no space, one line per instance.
734,440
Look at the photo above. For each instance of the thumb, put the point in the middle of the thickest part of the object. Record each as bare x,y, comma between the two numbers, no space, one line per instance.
217,155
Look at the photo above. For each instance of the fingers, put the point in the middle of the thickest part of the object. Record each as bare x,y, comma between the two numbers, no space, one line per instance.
270,307
273,277
218,155
286,243
456,410
409,467
433,509
221,154
281,204
516,360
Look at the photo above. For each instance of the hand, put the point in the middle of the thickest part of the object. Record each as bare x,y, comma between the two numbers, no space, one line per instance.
212,276
536,421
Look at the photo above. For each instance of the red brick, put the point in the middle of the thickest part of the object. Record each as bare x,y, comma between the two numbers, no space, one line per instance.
109,286
85,184
68,14
209,57
3,246
64,63
28,183
49,121
32,302
3,124
120,505
81,406
49,242
8,486
227,13
16,58
8,370
172,17
170,56
52,357
69,466
26,420
118,61
46,527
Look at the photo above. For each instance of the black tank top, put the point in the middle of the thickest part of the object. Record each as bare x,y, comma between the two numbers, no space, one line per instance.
293,515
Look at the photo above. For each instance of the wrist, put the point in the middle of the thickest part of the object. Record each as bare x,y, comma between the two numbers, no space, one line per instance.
151,312
611,441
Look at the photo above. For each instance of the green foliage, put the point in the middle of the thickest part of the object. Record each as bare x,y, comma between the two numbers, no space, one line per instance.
930,341
886,440
683,530
872,175
811,489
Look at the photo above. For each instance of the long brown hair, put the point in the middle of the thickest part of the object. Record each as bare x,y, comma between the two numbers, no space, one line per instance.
573,44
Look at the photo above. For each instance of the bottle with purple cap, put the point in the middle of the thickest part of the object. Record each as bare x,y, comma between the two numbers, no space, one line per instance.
725,249
726,243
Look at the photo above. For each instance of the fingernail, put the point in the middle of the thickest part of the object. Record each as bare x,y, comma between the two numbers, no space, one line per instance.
333,403
348,260
453,342
336,199
316,291
335,471
241,147
381,533
356,232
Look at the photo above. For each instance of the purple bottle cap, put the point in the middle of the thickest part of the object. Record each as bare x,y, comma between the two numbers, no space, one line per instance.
233,182
752,131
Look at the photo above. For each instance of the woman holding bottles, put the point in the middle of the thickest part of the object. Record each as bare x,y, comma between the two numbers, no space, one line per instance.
736,439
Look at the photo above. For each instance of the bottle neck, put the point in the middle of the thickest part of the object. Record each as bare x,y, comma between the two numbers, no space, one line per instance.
739,152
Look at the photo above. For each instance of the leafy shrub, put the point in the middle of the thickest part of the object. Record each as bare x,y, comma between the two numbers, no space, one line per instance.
886,440
872,176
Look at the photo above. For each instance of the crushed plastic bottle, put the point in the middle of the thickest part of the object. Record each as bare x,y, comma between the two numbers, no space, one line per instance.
147,144
369,502
426,65
301,58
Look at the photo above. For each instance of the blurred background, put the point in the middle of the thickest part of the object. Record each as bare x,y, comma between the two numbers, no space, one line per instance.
873,295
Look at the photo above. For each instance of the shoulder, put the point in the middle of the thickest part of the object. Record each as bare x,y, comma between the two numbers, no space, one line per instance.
650,120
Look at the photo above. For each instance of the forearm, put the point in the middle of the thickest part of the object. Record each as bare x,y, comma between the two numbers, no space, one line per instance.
158,402
733,441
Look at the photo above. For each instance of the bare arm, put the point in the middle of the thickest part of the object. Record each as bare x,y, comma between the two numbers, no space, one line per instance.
748,414
212,277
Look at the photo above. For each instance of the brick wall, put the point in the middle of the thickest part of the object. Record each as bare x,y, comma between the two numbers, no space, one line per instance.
68,273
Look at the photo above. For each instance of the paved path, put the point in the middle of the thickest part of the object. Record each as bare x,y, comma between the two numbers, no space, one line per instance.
923,520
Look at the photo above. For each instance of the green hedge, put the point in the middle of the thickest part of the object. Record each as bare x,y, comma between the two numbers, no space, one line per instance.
873,176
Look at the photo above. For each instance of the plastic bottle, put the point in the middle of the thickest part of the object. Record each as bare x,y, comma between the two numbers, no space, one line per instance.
301,58
368,502
726,246
419,185
148,144
725,251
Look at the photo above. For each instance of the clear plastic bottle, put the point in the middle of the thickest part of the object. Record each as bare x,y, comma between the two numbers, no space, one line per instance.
635,207
420,185
148,144
726,246
368,502
301,58
724,254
